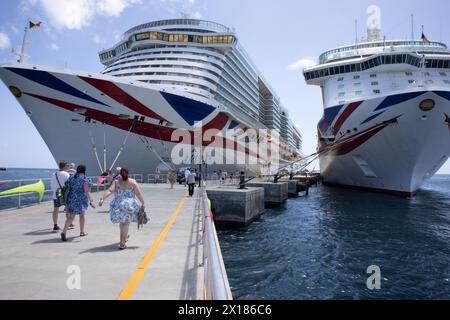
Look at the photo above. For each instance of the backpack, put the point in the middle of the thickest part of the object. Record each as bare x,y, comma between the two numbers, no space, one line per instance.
62,192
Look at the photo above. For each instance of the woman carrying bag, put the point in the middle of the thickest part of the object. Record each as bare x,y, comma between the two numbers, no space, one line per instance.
78,200
125,207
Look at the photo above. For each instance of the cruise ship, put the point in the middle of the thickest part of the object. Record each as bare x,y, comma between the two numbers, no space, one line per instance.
386,122
161,76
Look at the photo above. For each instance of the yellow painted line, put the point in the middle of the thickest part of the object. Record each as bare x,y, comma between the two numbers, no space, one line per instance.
28,213
132,284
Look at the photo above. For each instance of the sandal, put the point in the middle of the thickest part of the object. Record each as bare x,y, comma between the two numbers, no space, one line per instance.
83,234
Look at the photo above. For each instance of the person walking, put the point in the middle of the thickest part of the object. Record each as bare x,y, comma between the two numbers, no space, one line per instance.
187,173
157,172
57,182
124,208
191,183
172,178
72,171
78,200
116,175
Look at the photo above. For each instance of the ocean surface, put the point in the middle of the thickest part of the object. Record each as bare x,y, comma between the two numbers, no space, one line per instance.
320,246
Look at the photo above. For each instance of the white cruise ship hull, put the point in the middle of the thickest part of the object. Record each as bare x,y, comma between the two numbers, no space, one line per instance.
396,146
59,103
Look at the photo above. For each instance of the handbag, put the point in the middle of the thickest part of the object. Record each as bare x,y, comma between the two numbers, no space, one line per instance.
142,218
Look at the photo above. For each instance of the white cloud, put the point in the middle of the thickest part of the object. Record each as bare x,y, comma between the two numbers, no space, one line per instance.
302,63
76,14
54,47
98,40
5,43
14,29
114,7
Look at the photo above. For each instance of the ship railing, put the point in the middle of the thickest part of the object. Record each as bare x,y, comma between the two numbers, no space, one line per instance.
216,285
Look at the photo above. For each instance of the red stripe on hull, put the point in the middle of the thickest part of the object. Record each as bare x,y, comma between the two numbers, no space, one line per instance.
122,97
348,145
345,115
143,128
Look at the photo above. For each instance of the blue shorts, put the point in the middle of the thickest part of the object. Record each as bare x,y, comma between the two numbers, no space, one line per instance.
56,203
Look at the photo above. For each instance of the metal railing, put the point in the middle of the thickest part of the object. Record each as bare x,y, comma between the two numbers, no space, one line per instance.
98,184
156,178
216,285
20,183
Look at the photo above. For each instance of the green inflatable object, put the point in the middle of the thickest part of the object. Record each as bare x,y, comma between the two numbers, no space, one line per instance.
37,187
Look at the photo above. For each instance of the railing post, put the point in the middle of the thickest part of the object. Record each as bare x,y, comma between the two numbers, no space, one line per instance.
20,198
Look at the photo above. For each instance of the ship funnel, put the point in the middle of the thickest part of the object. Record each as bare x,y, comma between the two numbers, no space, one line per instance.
374,23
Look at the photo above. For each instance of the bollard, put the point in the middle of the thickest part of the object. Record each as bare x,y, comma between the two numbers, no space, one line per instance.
307,187
242,180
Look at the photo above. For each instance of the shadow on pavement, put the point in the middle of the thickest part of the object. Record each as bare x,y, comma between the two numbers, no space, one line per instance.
108,248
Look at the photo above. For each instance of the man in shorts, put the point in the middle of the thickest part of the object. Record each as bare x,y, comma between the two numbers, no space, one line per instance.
59,178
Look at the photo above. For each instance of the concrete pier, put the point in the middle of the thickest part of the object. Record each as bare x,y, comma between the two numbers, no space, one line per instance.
163,260
232,206
274,193
293,188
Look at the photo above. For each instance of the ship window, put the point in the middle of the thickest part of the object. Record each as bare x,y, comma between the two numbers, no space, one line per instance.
340,79
373,75
341,94
358,84
356,77
342,69
409,73
376,91
341,86
446,64
443,74
411,81
375,83
388,60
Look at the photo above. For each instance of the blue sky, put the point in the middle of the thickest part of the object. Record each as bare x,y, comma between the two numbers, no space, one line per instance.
277,35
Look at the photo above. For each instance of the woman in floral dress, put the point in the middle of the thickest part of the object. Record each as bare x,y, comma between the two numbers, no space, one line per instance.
78,200
124,208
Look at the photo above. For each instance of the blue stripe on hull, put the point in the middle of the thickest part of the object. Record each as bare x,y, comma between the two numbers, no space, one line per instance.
190,110
46,79
398,98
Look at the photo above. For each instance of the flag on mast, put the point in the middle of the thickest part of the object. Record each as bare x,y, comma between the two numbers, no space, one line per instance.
424,38
35,25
